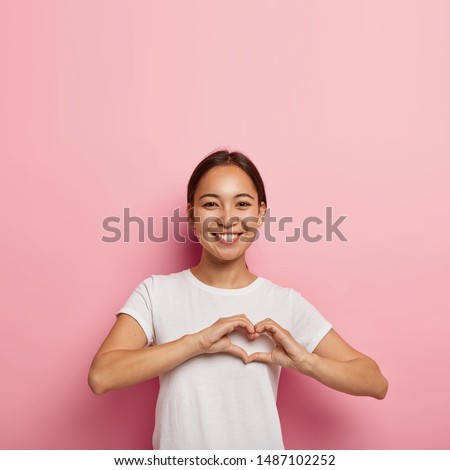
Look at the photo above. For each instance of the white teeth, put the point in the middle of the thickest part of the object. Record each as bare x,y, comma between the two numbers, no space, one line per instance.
228,237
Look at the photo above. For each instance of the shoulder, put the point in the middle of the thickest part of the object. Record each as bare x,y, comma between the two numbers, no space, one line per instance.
281,291
158,281
290,296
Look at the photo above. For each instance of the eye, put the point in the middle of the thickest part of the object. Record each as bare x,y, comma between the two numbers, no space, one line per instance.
209,204
243,204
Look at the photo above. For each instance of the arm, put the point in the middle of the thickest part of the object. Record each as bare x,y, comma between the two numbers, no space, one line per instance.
337,365
333,362
123,359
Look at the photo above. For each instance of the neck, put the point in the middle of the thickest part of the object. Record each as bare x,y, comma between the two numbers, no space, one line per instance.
224,274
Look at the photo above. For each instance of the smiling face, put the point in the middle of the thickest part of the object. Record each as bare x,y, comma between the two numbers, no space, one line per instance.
225,212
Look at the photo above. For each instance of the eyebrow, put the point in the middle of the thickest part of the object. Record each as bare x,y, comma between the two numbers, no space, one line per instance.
216,196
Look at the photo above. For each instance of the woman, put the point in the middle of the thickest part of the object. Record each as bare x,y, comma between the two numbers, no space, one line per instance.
217,335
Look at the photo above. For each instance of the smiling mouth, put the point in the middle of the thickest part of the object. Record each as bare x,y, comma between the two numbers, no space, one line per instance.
227,237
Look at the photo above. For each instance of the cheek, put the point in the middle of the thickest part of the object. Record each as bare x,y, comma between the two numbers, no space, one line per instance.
205,222
251,222
201,226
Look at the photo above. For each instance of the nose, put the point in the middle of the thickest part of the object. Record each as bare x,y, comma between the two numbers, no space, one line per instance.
228,218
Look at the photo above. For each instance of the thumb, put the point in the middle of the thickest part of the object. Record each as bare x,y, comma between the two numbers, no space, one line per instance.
260,357
238,352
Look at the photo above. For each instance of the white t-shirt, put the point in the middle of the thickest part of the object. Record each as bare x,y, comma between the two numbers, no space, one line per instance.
215,401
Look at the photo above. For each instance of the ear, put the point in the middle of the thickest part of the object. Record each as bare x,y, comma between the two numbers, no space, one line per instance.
190,214
262,211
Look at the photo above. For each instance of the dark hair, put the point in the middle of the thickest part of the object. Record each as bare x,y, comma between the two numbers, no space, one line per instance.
222,158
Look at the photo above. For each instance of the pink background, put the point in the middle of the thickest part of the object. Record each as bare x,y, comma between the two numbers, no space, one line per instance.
110,104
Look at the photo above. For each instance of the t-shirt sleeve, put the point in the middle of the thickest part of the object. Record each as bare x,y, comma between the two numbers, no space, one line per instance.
139,306
309,326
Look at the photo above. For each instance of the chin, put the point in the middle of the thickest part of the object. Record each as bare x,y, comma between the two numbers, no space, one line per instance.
232,255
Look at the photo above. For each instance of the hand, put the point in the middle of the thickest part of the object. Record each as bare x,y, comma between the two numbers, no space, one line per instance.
214,339
287,352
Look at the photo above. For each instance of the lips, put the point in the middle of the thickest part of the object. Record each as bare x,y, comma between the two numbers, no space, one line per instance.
228,237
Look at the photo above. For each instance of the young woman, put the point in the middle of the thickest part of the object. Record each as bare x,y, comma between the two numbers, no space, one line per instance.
217,335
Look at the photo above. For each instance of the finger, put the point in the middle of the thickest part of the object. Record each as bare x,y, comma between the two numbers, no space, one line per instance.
253,336
267,320
269,325
238,352
240,322
250,335
225,326
250,328
260,357
278,333
260,326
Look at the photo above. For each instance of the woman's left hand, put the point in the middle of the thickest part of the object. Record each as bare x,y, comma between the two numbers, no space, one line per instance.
333,363
287,352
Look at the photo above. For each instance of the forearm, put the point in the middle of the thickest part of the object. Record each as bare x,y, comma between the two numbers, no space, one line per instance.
121,368
360,376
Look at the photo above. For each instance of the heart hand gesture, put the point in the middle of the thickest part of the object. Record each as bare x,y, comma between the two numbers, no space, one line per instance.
214,339
287,352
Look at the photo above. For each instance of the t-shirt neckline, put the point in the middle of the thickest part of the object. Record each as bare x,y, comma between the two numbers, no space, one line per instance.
220,290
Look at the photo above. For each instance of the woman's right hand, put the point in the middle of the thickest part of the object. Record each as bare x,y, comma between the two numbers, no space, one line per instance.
214,339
